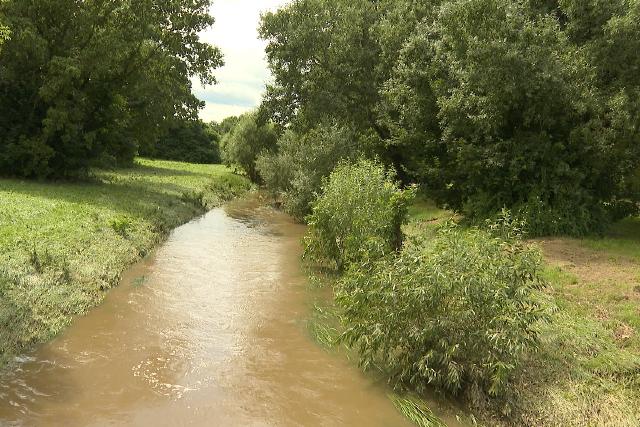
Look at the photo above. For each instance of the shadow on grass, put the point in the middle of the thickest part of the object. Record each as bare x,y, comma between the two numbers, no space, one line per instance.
148,170
622,239
128,196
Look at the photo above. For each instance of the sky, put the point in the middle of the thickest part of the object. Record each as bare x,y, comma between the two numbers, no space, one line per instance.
241,81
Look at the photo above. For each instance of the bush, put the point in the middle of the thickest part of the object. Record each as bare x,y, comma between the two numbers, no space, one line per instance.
360,213
296,170
4,33
455,312
246,141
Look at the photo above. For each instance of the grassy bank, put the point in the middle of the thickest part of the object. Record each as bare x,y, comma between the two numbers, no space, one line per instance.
587,371
62,245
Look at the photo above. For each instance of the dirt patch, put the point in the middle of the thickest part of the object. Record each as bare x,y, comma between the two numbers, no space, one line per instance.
623,333
591,266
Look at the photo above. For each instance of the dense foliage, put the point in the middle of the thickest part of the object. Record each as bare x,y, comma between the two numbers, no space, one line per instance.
248,139
4,33
532,105
456,312
358,215
294,172
187,141
516,124
86,82
225,126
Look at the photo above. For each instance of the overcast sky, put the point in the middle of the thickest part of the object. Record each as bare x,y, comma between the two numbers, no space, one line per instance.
242,79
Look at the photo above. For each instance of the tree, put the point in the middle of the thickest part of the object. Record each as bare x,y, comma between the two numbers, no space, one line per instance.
330,60
188,141
509,114
226,125
247,140
323,59
531,104
89,82
295,170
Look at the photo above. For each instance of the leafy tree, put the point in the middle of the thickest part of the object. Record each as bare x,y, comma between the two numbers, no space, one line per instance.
83,82
296,169
323,59
188,141
246,141
527,104
330,60
226,125
506,109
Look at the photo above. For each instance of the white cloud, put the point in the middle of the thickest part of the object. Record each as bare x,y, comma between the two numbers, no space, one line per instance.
217,112
242,79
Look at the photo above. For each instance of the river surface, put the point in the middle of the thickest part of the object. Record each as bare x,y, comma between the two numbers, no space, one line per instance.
208,331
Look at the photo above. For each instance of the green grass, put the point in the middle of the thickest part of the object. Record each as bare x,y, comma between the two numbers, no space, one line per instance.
623,239
424,217
424,209
62,245
582,374
587,370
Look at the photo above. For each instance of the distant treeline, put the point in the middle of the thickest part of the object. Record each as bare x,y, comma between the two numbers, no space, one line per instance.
86,83
533,105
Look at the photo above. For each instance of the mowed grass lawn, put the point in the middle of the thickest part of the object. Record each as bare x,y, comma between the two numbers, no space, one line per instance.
587,371
62,245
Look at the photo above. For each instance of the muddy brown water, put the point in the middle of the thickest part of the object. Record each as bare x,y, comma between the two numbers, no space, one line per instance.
208,331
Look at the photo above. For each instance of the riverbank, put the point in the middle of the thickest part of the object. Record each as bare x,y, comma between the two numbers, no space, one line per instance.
587,371
63,245
207,327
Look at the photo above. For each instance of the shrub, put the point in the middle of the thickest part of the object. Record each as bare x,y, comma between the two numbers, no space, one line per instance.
456,312
228,187
4,33
360,213
246,141
296,170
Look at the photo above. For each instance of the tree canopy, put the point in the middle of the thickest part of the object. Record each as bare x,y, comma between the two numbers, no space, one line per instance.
248,139
84,83
530,105
190,141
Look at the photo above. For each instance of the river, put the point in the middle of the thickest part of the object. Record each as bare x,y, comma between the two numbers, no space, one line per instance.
209,331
